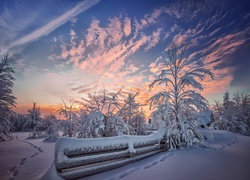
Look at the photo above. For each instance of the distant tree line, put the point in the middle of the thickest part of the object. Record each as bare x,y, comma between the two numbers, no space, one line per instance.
97,118
233,114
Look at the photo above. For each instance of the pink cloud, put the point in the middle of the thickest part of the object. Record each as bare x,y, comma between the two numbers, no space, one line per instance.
222,47
127,26
154,39
115,29
65,52
179,39
149,19
215,55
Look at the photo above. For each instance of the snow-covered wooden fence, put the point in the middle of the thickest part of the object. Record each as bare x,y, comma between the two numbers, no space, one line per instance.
76,158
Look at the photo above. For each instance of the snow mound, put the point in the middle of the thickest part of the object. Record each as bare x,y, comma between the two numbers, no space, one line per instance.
51,138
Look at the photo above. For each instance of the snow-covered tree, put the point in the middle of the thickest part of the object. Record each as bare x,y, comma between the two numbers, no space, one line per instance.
7,99
176,102
18,122
130,108
71,123
139,123
132,115
33,121
50,123
51,126
233,114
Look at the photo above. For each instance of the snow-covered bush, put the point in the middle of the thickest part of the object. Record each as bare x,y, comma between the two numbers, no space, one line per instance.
177,103
7,100
92,125
203,119
101,117
233,114
116,127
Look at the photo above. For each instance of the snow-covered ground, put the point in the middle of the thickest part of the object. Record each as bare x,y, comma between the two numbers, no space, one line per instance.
25,159
226,157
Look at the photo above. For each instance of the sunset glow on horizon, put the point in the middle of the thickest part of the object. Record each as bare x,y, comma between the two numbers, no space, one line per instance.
64,50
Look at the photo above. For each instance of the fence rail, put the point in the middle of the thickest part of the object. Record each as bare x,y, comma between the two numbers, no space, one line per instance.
76,158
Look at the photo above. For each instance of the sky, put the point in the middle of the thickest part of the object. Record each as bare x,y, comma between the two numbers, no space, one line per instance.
65,49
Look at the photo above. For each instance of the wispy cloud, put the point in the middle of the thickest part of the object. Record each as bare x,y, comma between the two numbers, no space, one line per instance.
24,68
11,25
52,25
215,31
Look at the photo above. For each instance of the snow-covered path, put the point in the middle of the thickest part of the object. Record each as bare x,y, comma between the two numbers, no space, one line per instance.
24,159
227,157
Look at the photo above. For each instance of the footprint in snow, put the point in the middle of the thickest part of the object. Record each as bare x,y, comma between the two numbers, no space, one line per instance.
154,163
40,150
11,169
150,165
132,170
15,173
163,158
166,156
147,166
22,161
34,155
123,174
